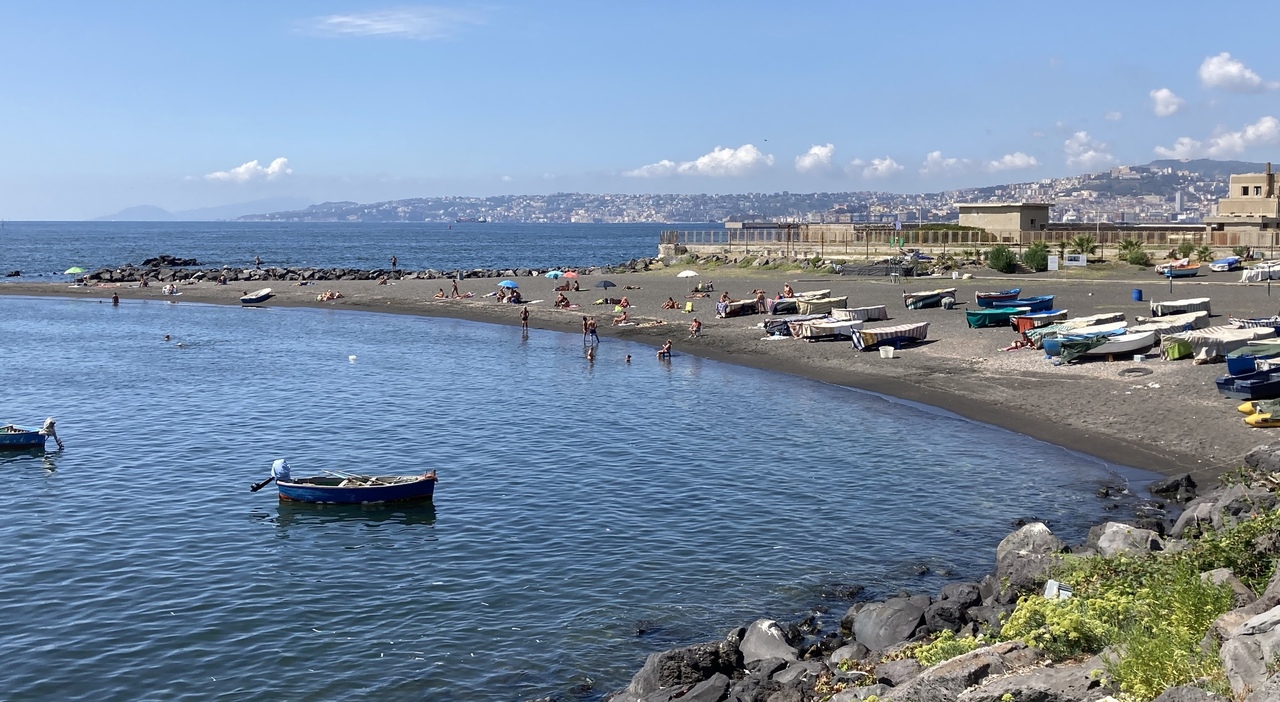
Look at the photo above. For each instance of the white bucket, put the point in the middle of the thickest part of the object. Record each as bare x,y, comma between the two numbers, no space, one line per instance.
1139,357
955,275
887,351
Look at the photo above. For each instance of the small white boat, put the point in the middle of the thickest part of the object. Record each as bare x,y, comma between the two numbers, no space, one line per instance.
1124,343
256,297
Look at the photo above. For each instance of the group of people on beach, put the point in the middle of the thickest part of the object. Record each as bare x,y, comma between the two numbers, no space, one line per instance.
455,294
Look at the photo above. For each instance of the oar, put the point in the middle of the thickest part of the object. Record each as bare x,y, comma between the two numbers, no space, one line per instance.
259,486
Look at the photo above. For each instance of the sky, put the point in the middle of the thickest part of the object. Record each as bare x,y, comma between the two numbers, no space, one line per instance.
184,105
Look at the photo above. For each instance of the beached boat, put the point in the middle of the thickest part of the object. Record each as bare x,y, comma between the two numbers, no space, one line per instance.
1194,304
1037,335
1191,320
345,489
256,297
1024,323
20,438
737,308
895,335
1273,322
781,306
1124,344
1039,303
927,298
1055,345
1266,270
825,328
813,294
1258,355
1230,263
781,326
1258,385
1256,406
994,317
870,313
1263,420
1182,268
820,305
997,298
1212,343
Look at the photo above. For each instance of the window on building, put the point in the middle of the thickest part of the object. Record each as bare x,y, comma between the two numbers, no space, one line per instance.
1033,221
1257,190
1244,190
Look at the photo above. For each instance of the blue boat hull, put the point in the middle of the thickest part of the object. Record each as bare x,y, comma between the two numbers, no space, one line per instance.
329,491
1042,303
23,440
1258,385
996,299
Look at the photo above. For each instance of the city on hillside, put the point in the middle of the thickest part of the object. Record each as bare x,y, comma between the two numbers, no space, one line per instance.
1160,192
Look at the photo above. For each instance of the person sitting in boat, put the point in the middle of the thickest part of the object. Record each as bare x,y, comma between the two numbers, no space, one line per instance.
562,301
787,291
280,470
670,304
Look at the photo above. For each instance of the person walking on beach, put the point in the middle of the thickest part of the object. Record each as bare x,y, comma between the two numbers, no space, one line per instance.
393,262
455,289
524,318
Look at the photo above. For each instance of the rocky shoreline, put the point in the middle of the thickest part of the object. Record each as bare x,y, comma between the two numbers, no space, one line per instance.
868,655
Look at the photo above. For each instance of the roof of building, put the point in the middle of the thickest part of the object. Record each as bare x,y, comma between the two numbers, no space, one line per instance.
1003,204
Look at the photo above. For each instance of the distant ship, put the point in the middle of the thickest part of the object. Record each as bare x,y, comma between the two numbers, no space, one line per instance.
477,220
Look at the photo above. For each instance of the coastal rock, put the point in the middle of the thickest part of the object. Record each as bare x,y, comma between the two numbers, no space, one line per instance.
1197,516
1251,648
684,666
948,614
1243,596
1239,501
895,673
1269,692
801,670
765,638
712,689
1114,539
965,594
1058,684
945,681
1024,557
1190,693
854,651
1179,489
846,622
880,625
1265,458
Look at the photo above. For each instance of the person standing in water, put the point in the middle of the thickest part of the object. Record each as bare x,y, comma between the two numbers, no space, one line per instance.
115,299
524,318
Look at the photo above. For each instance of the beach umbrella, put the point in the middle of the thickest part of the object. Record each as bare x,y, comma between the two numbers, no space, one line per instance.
606,284
571,274
687,274
72,270
508,284
554,274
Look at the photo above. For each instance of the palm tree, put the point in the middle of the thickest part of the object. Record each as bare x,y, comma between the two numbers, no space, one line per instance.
1083,244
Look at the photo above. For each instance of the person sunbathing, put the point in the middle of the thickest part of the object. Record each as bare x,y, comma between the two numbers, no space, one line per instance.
561,288
562,301
621,319
623,302
575,286
440,295
670,304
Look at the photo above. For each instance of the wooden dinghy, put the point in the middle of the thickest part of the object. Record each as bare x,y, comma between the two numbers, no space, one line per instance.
825,328
1039,303
348,489
1024,323
20,438
997,298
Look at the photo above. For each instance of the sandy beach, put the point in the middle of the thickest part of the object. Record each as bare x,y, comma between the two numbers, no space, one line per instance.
1170,421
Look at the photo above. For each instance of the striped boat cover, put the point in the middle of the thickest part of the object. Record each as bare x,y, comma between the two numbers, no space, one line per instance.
825,328
1195,304
866,338
821,305
1273,322
869,314
926,298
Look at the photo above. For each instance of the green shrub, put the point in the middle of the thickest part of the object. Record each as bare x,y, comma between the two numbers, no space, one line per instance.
1241,251
1137,257
1204,253
944,647
747,262
1083,244
1036,256
1128,246
1002,258
1185,249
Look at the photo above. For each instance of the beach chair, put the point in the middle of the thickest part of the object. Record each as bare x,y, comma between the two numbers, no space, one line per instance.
688,307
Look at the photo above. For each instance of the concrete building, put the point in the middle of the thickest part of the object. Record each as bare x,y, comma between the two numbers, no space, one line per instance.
1250,213
1005,217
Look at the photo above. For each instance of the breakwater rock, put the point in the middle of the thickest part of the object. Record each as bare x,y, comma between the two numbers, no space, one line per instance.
171,269
874,651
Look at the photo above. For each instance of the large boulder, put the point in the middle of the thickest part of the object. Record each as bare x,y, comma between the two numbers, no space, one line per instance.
1265,458
1239,501
1024,558
765,638
1073,683
1176,489
1249,651
1188,693
896,673
1198,514
1269,692
880,625
1116,539
945,681
1242,595
684,666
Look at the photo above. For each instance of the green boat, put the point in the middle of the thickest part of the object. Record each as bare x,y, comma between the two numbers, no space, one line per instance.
993,317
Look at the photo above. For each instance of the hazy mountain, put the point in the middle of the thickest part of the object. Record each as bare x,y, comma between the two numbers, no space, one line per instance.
151,213
1209,167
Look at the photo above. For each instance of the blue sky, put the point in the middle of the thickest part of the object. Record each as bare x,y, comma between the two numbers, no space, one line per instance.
184,105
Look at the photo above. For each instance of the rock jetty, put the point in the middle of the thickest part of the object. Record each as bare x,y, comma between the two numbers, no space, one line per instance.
171,269
868,656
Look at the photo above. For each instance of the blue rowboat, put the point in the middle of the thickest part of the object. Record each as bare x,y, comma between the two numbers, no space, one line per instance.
1039,303
17,438
345,489
997,298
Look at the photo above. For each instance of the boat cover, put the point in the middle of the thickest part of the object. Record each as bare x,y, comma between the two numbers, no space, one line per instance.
1195,304
1273,322
1213,343
781,305
820,305
735,309
825,328
866,338
926,298
1267,270
870,314
1198,320
781,326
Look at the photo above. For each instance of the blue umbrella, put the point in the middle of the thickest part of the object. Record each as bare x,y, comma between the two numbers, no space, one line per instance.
554,274
508,284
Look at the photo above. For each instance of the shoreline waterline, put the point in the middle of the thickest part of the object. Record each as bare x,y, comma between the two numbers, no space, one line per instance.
1134,454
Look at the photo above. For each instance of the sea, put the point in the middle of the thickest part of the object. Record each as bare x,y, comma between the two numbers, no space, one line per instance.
589,512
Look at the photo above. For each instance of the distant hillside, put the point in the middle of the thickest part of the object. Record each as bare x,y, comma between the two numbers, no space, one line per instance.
151,213
1209,167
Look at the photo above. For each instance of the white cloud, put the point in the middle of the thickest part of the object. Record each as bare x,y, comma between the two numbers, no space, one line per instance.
250,171
1113,116
1230,74
880,168
1165,103
1012,162
506,179
816,160
423,23
722,161
1083,151
1264,132
935,164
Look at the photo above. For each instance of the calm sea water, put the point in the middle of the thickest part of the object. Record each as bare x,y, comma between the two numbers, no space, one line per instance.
578,503
44,249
